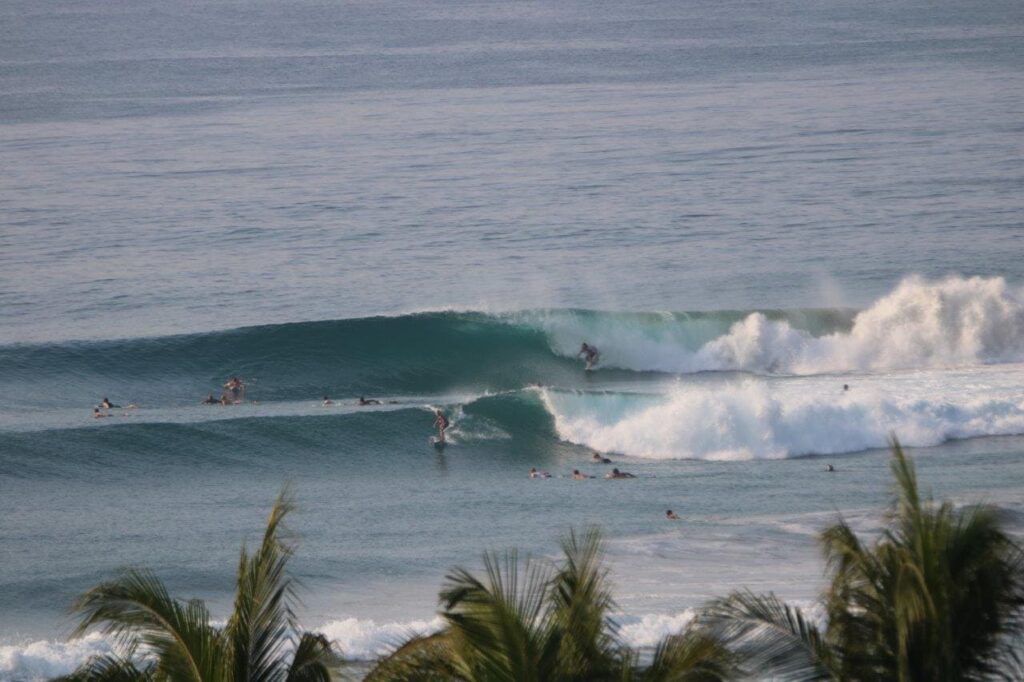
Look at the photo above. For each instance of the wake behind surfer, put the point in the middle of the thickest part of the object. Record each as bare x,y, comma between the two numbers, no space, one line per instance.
442,424
590,355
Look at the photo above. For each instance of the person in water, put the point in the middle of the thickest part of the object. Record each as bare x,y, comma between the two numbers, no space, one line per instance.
846,387
619,474
579,476
96,414
590,354
210,400
236,387
598,459
538,474
829,468
225,400
107,405
442,424
327,401
669,514
371,401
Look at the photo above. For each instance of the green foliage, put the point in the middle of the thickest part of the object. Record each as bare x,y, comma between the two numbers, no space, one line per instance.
177,641
939,596
532,622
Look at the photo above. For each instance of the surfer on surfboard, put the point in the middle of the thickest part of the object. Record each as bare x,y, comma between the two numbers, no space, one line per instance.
590,354
442,423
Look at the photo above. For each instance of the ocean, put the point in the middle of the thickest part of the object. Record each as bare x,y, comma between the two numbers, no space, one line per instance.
744,206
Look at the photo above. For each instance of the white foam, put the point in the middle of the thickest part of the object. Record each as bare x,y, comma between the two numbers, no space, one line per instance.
646,631
781,418
43,659
953,322
366,639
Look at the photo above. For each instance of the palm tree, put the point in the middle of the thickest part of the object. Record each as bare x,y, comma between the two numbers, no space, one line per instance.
938,596
176,640
530,621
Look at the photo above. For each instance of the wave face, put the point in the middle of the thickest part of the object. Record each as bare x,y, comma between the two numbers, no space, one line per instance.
487,363
920,324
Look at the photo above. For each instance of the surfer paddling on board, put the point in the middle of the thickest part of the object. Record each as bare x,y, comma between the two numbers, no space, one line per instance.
590,355
372,401
442,424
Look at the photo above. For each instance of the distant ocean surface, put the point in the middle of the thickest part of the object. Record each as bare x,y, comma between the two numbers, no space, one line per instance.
744,206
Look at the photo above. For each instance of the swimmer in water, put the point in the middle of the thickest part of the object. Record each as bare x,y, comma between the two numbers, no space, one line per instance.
327,401
578,476
225,400
669,514
96,414
538,474
371,401
237,388
590,354
442,424
210,400
619,474
598,459
846,387
829,468
107,405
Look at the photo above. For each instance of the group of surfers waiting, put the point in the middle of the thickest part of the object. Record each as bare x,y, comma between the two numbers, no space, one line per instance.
578,475
234,393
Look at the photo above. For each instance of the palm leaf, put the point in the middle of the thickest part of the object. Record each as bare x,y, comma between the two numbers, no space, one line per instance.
691,656
137,610
263,619
312,659
768,636
109,668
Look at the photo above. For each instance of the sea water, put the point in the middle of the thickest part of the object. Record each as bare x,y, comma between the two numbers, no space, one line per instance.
744,206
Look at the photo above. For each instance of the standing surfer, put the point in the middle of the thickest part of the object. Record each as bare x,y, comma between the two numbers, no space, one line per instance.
590,354
441,423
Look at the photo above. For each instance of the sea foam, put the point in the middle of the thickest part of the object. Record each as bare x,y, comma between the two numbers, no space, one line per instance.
920,324
755,418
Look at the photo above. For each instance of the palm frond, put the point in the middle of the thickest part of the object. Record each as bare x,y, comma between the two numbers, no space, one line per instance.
580,603
137,610
691,656
260,627
421,658
768,636
312,659
109,668
497,625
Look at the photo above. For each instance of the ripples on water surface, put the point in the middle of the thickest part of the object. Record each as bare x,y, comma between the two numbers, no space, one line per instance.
554,171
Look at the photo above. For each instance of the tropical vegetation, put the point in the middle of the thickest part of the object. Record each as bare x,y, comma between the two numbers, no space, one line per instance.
938,595
169,640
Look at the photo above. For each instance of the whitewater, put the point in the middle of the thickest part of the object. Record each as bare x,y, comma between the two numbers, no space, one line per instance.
791,231
675,398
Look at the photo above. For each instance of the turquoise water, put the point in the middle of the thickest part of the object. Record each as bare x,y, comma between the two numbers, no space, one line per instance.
743,206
